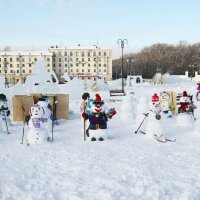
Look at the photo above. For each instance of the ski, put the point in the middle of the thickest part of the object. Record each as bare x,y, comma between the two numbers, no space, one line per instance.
163,139
142,132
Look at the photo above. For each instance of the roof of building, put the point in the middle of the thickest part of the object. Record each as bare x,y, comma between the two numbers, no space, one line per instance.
79,47
25,53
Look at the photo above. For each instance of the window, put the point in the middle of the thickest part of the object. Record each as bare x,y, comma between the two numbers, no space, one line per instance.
30,71
105,70
99,64
88,70
94,53
82,64
5,59
65,70
54,65
48,59
104,65
77,70
88,59
29,59
99,70
99,53
71,70
22,59
48,65
82,59
18,65
71,59
59,59
11,71
59,64
29,65
82,53
23,65
94,70
0,71
0,59
77,64
65,59
5,71
94,64
17,59
54,59
35,59
10,59
71,65
88,54
65,65
104,53
88,65
71,53
77,53
48,70
0,65
65,53
17,71
11,65
23,71
59,70
82,70
76,59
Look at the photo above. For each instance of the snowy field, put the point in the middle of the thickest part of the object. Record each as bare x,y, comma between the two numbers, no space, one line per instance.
126,166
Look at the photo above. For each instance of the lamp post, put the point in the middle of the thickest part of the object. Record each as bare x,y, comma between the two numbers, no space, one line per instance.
121,43
129,60
192,70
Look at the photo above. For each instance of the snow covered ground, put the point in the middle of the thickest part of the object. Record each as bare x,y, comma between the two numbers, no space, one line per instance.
126,166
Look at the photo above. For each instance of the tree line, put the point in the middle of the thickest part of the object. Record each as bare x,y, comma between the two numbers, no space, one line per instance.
161,58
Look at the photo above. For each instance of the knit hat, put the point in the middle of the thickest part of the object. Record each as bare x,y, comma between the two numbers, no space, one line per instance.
98,98
155,98
3,97
185,94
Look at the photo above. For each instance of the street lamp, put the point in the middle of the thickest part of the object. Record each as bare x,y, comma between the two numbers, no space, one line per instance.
129,60
192,70
122,42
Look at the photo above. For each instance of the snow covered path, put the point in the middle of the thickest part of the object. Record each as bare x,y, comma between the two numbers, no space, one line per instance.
127,166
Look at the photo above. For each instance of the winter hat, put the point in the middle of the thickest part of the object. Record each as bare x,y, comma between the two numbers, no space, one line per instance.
185,94
155,98
85,95
2,97
98,98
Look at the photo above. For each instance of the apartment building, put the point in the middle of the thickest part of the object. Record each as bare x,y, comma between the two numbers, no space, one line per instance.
15,66
83,62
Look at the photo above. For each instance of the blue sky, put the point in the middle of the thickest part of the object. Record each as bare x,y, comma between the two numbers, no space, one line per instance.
41,23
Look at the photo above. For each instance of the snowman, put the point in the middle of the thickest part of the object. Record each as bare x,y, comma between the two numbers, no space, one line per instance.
165,104
47,115
4,112
185,116
37,132
98,119
154,126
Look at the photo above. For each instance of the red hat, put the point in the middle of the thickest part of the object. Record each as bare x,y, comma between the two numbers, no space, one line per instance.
98,98
155,98
185,94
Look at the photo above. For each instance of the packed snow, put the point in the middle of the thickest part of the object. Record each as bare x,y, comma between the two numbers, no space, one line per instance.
124,166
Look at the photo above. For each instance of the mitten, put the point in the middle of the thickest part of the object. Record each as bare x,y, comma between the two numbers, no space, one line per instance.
85,115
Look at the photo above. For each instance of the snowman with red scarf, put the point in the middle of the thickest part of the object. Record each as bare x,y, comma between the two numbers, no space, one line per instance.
98,119
154,126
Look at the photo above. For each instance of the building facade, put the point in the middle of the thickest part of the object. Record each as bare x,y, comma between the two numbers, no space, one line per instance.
15,66
82,62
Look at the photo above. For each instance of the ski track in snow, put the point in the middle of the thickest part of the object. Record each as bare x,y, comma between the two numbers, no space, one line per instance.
127,166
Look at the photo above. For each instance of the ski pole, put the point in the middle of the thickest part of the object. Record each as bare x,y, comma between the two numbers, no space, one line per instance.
22,135
6,122
146,115
84,121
